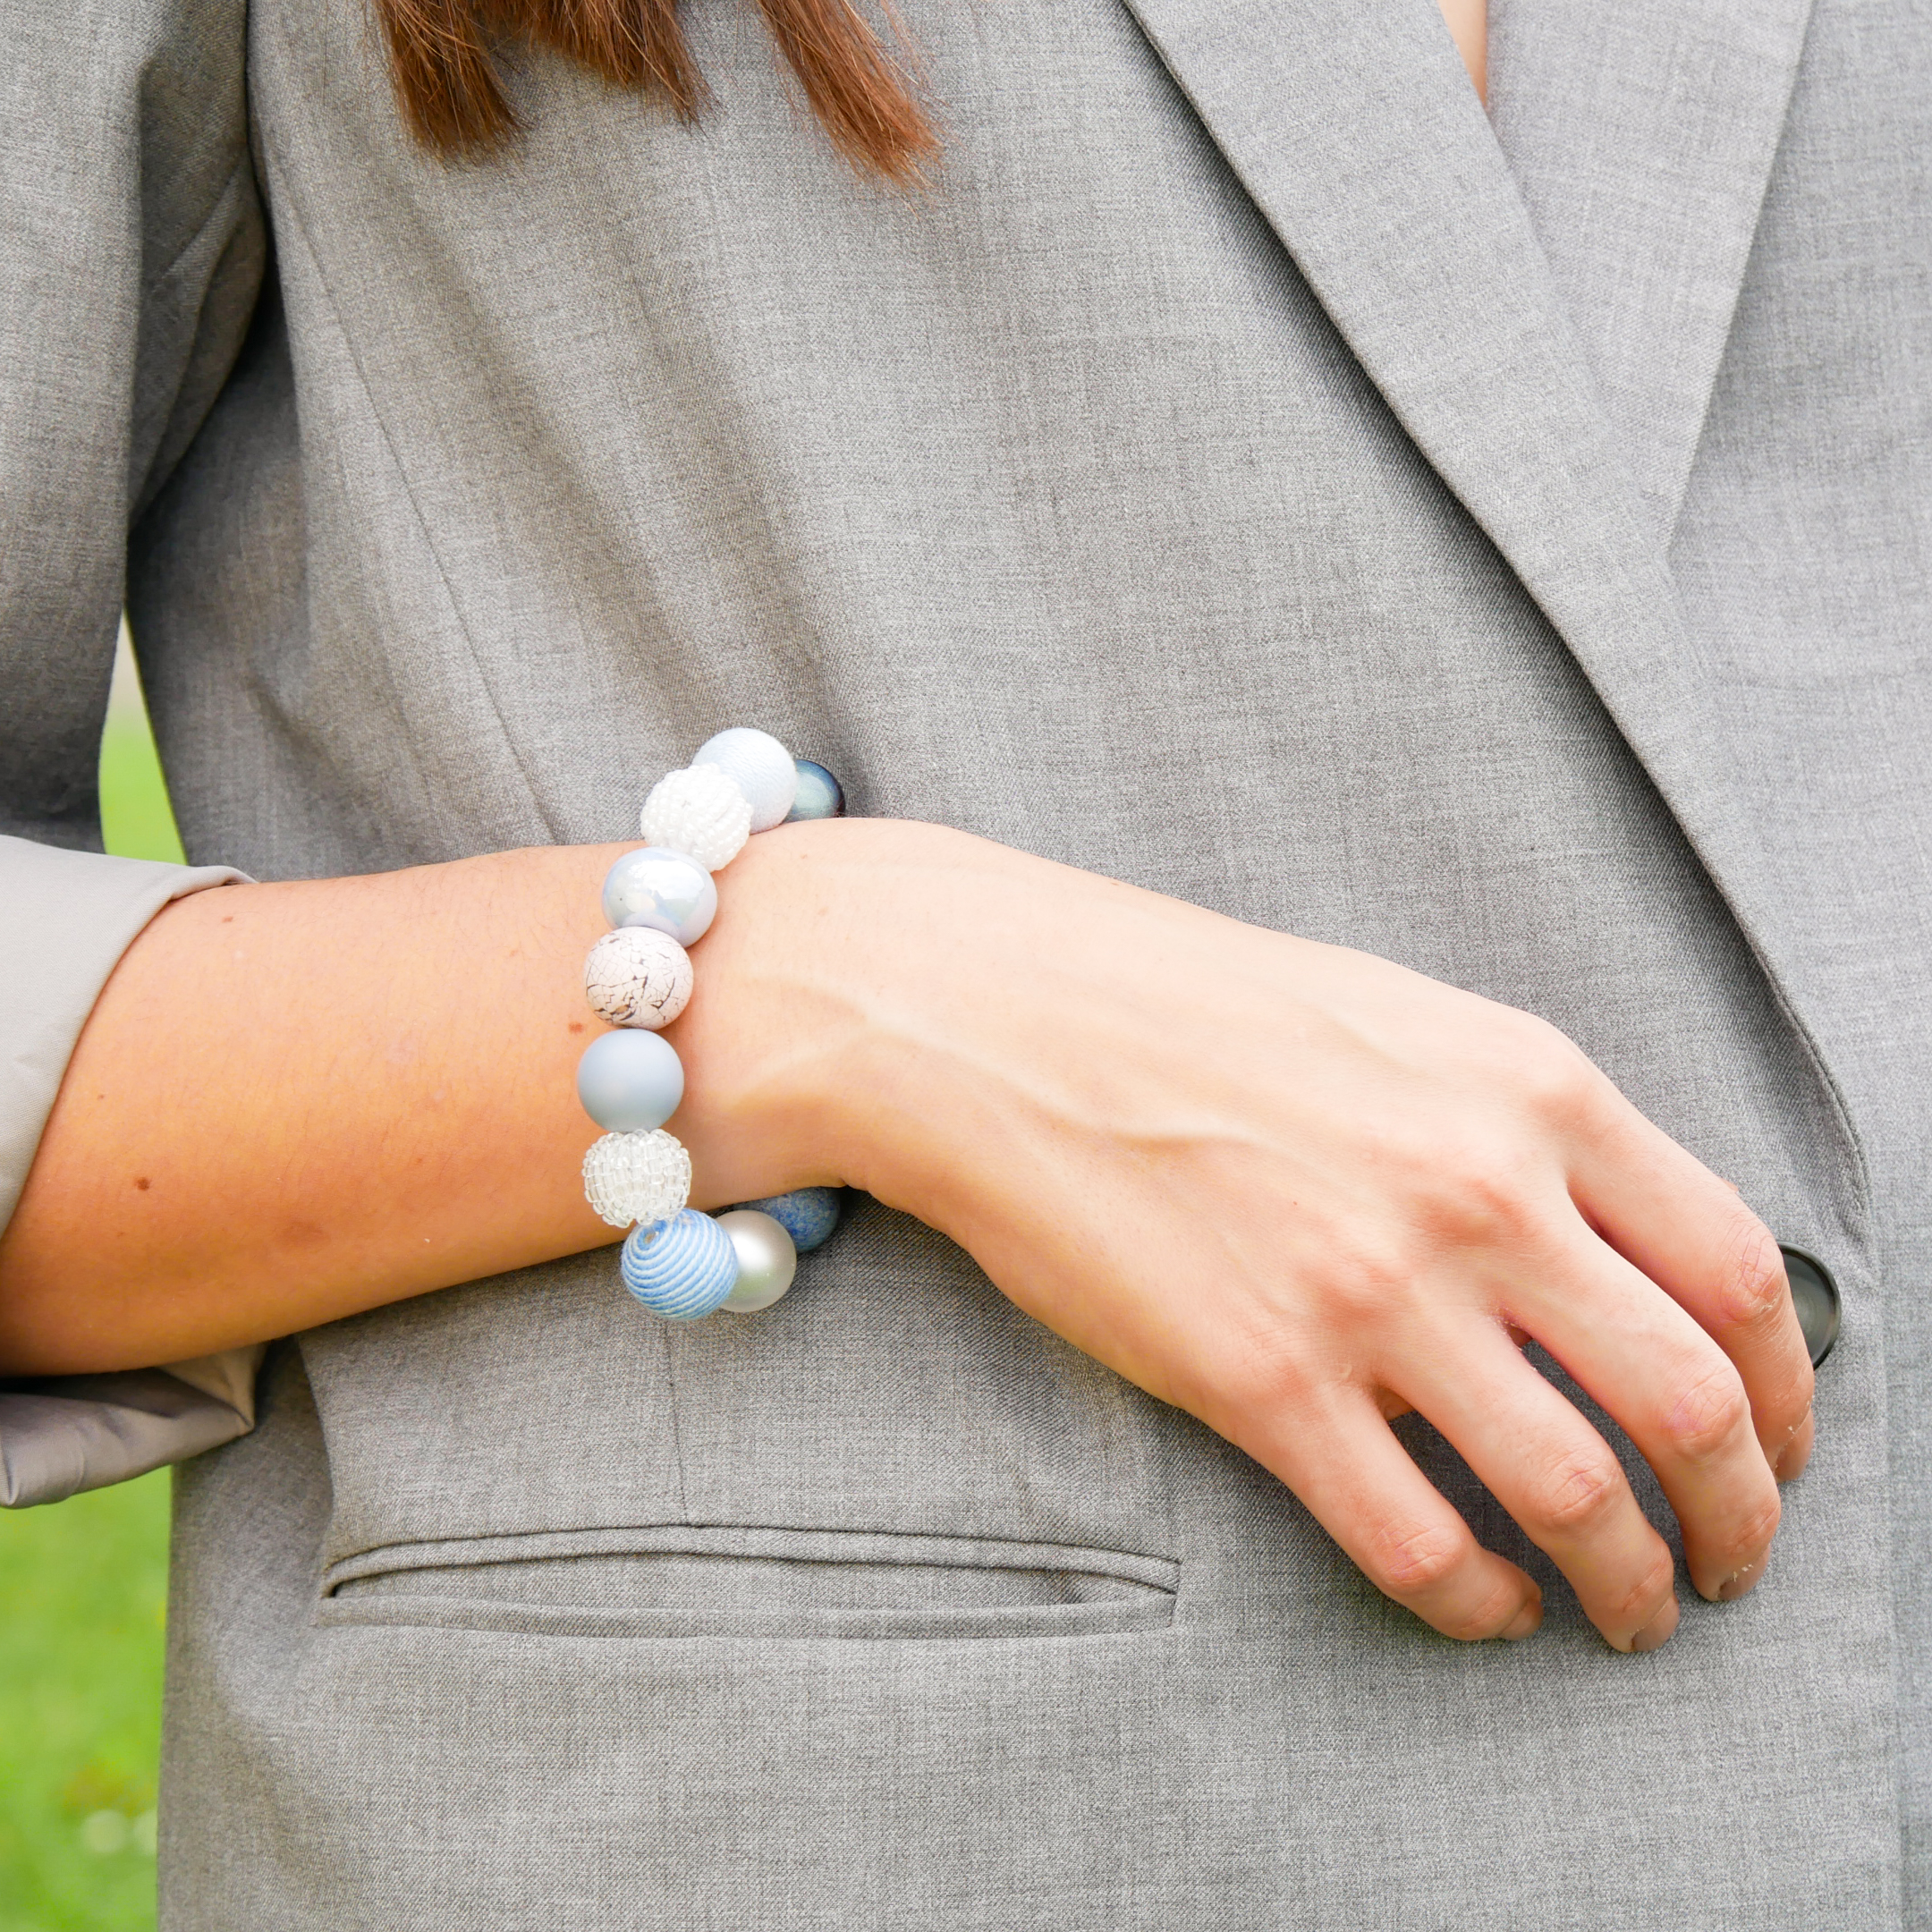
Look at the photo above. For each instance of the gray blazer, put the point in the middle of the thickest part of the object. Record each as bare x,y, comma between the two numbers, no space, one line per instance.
1499,542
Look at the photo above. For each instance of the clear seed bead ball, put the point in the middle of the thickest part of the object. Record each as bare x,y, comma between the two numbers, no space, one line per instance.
630,1082
762,767
809,1215
766,1260
640,1177
699,810
638,977
668,891
819,793
682,1271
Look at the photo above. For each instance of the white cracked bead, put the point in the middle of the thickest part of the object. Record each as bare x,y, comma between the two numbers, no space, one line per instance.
638,977
762,767
702,810
640,1177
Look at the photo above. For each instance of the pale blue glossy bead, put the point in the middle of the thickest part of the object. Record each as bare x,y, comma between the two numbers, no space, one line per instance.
630,1082
819,793
685,1270
809,1215
667,891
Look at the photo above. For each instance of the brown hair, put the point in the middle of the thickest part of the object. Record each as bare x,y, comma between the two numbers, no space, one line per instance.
442,56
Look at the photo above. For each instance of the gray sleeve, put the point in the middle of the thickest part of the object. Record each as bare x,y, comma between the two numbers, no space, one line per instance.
68,917
131,258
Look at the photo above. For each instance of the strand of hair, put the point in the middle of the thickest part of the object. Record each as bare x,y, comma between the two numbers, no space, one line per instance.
443,62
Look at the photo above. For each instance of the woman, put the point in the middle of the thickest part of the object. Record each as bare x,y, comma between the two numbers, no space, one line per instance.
1235,491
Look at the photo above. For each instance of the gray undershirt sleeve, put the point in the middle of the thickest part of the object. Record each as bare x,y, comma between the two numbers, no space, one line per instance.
66,920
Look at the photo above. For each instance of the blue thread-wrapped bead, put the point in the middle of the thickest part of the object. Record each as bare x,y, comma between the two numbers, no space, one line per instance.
819,793
667,891
685,1270
630,1082
809,1215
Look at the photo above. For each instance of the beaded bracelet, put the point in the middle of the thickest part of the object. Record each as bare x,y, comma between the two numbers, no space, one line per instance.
681,1264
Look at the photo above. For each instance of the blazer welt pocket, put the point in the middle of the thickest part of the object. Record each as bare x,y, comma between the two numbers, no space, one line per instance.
683,1579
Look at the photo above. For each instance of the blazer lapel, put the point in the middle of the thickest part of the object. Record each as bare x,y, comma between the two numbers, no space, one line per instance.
1355,130
1641,137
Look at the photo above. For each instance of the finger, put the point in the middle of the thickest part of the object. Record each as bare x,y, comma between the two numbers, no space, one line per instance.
1675,1221
1553,1472
1677,1396
1397,1528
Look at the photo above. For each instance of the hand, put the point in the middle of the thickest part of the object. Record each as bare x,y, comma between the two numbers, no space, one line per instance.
1290,1188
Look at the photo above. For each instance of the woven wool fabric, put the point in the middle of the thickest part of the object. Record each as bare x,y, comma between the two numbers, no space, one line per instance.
1248,471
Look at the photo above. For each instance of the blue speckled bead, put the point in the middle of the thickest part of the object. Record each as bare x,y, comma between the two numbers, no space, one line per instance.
667,891
630,1082
819,793
809,1215
684,1271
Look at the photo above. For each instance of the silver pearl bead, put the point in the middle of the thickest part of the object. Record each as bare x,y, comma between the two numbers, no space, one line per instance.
766,1260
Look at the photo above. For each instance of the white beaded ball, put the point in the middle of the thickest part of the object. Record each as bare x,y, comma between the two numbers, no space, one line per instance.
702,811
762,767
642,1177
638,977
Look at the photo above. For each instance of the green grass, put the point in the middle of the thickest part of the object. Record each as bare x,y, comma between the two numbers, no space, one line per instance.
82,1590
134,803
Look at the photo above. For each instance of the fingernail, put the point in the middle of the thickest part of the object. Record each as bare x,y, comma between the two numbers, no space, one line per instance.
1524,1622
1657,1630
1739,1581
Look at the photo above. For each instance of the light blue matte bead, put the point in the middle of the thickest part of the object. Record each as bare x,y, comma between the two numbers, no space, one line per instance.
819,793
682,1272
667,891
630,1082
809,1215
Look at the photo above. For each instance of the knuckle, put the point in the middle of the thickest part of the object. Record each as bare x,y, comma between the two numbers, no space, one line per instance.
1644,1596
1412,1559
1575,1492
1273,1372
1754,1292
1483,1617
1751,1535
1790,1400
1364,1286
1711,1412
1488,1194
1556,1079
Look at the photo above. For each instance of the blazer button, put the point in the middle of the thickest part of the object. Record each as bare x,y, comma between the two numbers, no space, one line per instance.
1815,1296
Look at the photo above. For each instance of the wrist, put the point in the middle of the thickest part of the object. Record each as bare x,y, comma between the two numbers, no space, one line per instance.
824,987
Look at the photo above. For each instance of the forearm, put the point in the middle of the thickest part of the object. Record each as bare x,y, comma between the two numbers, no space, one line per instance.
296,1101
